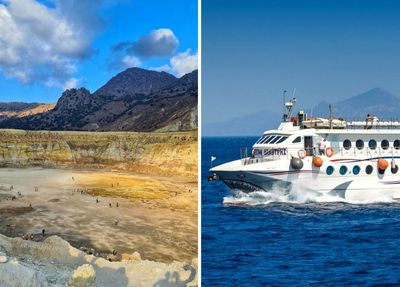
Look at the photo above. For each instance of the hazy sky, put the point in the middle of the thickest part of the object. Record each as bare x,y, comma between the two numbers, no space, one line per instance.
49,45
252,50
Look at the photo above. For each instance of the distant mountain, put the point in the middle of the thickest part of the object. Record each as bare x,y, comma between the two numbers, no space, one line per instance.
377,101
134,100
19,110
252,125
17,106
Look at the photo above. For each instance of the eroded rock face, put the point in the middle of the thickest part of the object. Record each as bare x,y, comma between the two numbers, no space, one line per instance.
14,274
54,262
151,153
3,258
83,276
135,256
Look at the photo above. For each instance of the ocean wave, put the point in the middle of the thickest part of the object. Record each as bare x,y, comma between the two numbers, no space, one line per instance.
296,195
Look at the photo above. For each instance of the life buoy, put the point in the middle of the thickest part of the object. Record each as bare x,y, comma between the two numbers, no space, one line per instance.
317,161
302,153
329,152
382,164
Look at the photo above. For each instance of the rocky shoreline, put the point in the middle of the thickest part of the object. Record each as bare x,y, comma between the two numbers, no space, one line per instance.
54,262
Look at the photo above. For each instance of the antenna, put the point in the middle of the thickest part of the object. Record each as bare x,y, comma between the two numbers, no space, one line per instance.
288,106
284,106
284,100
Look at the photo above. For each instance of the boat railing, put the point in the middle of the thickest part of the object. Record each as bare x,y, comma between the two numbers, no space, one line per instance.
377,152
375,124
353,152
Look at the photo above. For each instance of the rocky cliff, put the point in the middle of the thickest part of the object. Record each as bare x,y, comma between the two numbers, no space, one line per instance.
155,153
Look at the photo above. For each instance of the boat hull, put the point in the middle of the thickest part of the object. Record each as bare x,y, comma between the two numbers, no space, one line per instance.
279,176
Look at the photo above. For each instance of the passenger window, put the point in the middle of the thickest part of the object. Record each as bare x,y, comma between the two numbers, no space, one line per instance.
343,170
396,144
385,144
329,170
360,144
372,144
297,140
356,169
369,169
347,144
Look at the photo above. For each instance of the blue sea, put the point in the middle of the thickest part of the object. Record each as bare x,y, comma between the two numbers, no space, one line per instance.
270,240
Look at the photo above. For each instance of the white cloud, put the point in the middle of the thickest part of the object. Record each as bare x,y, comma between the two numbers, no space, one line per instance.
163,68
70,84
180,64
159,43
43,44
183,63
130,61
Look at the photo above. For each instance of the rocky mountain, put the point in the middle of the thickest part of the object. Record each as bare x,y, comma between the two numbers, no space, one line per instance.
19,110
248,125
134,100
377,101
17,106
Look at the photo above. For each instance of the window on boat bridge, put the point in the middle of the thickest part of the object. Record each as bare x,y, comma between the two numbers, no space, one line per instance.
282,139
268,140
297,140
347,144
260,139
372,144
385,144
271,139
278,139
263,139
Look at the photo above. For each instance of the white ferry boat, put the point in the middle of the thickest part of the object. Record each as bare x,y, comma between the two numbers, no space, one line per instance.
352,160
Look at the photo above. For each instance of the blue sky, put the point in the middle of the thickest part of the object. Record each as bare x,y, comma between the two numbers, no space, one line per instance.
49,45
327,49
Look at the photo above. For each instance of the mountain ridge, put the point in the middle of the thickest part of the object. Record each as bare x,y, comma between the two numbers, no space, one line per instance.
133,100
376,101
